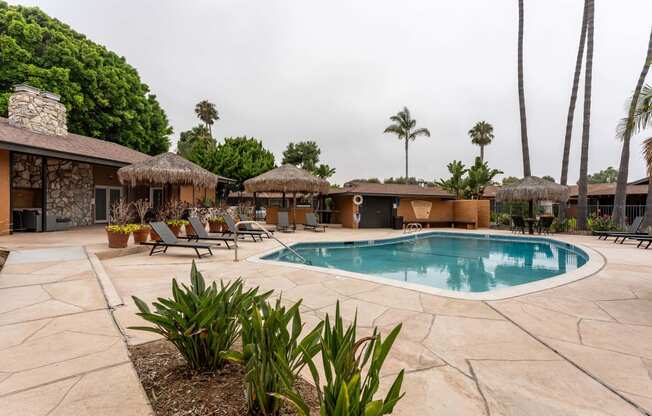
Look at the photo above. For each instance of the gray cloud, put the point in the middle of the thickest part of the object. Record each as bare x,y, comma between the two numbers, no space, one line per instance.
335,71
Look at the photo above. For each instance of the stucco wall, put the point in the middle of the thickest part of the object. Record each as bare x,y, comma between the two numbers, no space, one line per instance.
441,211
185,194
4,192
346,208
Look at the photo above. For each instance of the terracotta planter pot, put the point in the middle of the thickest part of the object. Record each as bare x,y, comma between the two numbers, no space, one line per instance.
140,236
216,227
117,240
153,235
176,229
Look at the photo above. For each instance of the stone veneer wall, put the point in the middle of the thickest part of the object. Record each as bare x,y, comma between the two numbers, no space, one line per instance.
26,171
40,112
70,191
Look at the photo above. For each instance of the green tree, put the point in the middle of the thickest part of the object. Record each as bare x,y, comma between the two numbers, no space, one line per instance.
207,113
240,158
456,184
548,178
481,135
521,95
625,132
193,140
402,181
510,180
104,95
478,176
324,171
582,185
302,154
405,128
609,175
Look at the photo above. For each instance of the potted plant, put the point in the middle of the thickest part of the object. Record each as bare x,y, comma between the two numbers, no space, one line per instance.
176,225
118,231
141,231
199,212
173,214
216,223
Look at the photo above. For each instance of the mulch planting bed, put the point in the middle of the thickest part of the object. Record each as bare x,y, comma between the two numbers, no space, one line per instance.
175,390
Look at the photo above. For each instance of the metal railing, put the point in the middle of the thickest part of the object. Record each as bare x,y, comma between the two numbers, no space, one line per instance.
269,235
631,211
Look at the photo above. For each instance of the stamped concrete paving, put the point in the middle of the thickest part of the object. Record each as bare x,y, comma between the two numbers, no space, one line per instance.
580,349
60,351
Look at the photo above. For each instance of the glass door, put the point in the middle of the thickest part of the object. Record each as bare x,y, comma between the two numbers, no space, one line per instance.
105,197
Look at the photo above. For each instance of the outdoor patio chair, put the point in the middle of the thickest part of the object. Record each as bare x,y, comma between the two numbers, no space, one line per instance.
250,227
202,234
633,229
312,224
284,223
518,224
544,225
168,239
644,239
233,230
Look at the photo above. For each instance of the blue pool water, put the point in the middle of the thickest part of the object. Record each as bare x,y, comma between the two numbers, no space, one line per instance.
458,262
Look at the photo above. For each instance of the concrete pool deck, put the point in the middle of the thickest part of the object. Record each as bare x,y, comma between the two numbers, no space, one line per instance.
584,348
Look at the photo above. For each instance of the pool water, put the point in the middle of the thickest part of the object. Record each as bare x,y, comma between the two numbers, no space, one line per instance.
457,262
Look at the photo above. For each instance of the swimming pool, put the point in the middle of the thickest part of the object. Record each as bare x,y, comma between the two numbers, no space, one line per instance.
473,263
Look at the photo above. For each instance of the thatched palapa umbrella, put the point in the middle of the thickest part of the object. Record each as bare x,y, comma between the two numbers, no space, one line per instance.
532,189
169,168
287,179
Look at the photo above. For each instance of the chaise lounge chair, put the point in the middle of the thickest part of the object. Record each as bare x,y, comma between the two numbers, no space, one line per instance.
644,239
168,239
632,232
233,230
202,234
312,224
284,223
250,227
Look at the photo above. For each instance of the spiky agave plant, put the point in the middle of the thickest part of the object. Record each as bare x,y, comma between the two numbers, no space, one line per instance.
273,353
201,321
351,369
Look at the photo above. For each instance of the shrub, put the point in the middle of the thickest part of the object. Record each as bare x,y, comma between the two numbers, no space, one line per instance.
201,321
345,358
273,354
601,223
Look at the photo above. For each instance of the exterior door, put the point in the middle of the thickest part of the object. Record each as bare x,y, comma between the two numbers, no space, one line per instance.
105,197
156,198
376,212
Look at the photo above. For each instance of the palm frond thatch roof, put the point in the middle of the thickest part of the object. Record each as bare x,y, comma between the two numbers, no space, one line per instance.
168,168
532,188
288,179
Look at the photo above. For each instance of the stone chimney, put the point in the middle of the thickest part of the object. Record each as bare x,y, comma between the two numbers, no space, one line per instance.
38,111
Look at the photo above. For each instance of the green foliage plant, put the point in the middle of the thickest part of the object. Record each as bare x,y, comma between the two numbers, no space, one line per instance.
456,184
274,353
201,321
351,369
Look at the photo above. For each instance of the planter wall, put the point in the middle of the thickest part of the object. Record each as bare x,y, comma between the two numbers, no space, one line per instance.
216,227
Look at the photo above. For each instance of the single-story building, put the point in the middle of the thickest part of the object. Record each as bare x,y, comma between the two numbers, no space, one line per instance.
375,205
51,179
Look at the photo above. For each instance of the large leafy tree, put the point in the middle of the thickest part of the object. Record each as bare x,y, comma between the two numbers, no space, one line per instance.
582,185
609,175
404,127
456,184
324,171
626,130
303,154
193,140
104,95
240,158
521,95
481,135
207,113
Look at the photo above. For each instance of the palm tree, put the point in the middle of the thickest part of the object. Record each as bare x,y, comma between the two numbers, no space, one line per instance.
626,130
324,171
207,113
563,179
521,95
404,128
482,134
582,199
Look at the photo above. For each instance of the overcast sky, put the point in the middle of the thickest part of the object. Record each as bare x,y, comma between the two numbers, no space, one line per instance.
334,71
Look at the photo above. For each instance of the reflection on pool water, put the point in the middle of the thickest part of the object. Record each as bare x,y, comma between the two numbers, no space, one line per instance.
458,262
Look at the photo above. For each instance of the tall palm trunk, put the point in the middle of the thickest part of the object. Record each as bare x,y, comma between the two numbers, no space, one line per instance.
521,95
482,153
582,208
563,179
406,159
623,170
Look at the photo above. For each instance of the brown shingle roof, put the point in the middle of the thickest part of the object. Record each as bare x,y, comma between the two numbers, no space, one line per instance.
71,144
367,188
